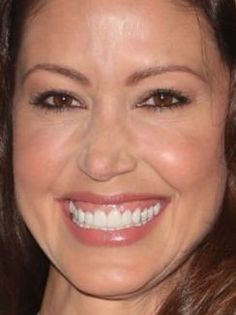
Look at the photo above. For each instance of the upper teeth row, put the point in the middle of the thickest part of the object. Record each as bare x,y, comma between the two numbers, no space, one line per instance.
114,219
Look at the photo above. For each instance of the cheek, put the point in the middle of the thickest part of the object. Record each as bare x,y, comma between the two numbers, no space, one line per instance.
34,159
40,154
190,163
189,160
184,156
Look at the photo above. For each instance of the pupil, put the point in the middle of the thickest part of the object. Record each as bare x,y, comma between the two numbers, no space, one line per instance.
164,100
62,101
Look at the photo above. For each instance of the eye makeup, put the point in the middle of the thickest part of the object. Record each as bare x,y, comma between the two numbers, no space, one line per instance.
156,100
57,100
162,99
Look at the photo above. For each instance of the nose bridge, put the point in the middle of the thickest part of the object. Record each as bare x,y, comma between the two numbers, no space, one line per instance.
106,152
106,135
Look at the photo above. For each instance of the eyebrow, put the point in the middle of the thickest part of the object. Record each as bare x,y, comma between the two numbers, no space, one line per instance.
58,69
140,75
133,79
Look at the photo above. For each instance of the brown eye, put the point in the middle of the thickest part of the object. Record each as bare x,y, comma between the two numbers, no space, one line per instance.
61,100
56,100
163,99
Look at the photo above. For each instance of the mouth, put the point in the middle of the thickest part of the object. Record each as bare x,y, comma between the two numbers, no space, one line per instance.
112,220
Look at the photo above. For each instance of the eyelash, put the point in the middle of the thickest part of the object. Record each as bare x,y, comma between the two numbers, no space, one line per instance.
177,100
163,94
42,100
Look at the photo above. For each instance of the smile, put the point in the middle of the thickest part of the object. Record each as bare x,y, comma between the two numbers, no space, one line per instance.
114,218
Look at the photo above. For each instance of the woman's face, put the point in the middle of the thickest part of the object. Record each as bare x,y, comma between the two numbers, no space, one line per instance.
119,107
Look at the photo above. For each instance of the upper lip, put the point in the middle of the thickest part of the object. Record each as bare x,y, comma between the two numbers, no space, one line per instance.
116,199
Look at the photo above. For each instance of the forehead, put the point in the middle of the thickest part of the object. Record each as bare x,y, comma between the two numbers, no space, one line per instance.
102,31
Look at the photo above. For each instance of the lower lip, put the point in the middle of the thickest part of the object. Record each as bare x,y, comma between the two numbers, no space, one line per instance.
122,237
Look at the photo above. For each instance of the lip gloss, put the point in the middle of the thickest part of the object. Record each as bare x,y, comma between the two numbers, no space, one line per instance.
123,236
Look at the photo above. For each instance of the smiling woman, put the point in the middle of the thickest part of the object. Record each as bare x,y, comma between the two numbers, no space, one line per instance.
117,157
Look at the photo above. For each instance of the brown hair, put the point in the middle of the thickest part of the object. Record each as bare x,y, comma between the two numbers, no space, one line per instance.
209,287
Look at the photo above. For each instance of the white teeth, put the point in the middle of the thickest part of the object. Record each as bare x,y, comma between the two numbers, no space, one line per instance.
136,216
144,215
81,216
115,219
150,213
157,209
88,218
100,219
126,218
73,208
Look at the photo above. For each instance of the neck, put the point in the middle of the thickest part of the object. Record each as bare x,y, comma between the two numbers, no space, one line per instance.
62,298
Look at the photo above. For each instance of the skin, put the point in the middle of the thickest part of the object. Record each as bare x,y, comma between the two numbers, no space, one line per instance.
176,152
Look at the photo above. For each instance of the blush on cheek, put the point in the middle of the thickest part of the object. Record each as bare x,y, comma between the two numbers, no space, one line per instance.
36,159
183,162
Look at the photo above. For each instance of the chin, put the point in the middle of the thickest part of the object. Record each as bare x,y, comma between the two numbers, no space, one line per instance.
115,284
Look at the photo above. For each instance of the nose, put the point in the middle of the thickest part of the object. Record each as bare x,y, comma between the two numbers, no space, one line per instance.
106,152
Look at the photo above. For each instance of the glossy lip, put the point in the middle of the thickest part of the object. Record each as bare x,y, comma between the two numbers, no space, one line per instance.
111,199
122,237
